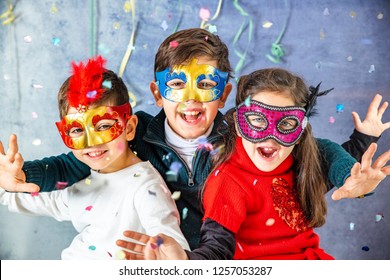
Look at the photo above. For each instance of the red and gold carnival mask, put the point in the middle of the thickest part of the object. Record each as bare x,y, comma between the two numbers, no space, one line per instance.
94,126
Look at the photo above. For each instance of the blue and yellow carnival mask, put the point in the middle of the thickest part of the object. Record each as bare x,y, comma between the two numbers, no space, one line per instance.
191,76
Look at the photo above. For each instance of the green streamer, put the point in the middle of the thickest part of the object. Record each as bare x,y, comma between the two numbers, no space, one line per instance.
248,23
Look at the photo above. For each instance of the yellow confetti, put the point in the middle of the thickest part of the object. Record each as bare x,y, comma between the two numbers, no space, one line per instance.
176,195
87,181
116,25
127,7
120,255
54,9
267,24
353,14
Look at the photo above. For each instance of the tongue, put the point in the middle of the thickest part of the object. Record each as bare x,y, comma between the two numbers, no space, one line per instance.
191,117
267,153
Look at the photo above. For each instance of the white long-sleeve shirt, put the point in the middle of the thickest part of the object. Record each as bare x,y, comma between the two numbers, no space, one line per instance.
102,206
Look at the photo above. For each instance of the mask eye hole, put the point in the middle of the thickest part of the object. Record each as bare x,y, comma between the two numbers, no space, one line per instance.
288,124
257,121
206,84
75,130
105,124
176,84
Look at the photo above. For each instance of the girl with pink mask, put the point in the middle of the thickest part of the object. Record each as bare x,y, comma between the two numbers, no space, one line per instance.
266,193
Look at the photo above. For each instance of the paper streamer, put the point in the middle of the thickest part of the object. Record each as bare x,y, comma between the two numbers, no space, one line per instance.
130,47
8,17
247,23
204,23
277,51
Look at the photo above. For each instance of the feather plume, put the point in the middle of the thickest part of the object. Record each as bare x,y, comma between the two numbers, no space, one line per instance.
314,93
85,85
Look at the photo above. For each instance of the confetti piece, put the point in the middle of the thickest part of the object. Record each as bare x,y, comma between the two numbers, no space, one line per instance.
379,16
137,175
267,24
56,41
240,247
318,65
349,58
37,86
351,226
127,7
120,255
176,195
332,119
88,208
247,101
255,182
326,12
270,222
339,108
61,185
34,193
372,69
185,213
116,25
152,193
171,176
92,248
204,14
322,34
109,254
107,84
34,115
27,39
91,94
54,9
160,241
216,172
175,166
213,28
87,181
37,142
167,156
173,44
352,14
164,25
365,248
379,217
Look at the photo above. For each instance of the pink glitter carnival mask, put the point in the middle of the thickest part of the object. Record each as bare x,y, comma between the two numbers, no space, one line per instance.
258,122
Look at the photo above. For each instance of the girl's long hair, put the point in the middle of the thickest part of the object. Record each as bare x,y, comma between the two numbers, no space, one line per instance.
308,174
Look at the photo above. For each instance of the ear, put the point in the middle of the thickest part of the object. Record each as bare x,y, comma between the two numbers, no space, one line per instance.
225,95
236,125
131,126
156,94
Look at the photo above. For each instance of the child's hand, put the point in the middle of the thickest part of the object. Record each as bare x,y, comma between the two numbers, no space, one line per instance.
372,124
364,177
160,247
12,177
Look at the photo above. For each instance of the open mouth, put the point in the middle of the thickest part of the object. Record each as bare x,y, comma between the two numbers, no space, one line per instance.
190,116
267,152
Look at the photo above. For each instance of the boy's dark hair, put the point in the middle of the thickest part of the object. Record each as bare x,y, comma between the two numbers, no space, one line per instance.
186,44
115,95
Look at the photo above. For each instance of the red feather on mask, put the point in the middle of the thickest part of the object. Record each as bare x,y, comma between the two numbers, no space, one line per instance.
86,82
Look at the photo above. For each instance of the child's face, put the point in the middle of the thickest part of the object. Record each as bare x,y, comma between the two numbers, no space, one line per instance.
101,151
269,154
192,118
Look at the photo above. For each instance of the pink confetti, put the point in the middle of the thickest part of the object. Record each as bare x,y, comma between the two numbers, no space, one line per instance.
240,247
204,14
332,119
173,44
34,193
254,182
88,208
34,115
61,185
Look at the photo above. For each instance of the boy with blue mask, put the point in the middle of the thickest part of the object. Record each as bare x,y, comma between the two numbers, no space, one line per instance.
172,139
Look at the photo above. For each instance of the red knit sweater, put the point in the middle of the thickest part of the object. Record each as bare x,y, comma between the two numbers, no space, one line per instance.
261,209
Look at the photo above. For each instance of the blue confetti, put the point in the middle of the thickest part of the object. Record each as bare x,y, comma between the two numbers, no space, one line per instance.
247,101
107,84
56,41
365,248
185,213
91,94
339,108
92,248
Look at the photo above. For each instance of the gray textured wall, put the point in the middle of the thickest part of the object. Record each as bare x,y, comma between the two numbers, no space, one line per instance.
344,44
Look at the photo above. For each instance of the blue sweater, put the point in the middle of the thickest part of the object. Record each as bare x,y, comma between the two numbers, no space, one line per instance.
149,144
